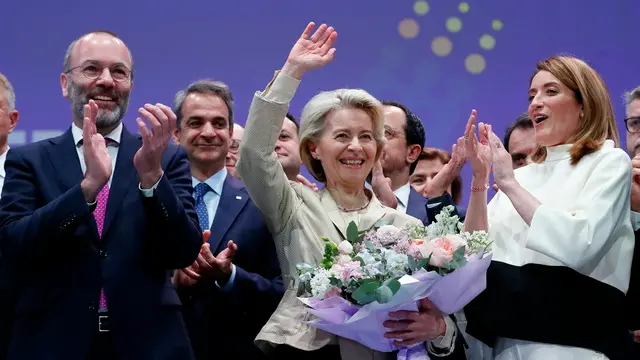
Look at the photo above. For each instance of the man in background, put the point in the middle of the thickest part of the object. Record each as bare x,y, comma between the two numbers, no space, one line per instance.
8,121
234,145
632,126
520,140
235,284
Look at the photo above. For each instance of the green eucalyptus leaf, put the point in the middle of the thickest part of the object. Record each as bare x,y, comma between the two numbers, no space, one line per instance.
393,284
383,294
366,293
413,264
352,233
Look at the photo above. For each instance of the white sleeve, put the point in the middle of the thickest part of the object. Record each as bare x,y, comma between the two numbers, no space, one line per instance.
576,237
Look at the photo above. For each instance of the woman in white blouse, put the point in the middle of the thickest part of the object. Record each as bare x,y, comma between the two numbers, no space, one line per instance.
561,228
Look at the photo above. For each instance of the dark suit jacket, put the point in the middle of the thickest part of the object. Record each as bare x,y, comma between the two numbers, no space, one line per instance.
426,210
223,324
46,226
633,294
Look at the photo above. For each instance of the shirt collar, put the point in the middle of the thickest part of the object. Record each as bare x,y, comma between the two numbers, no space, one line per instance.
215,182
3,157
402,193
115,134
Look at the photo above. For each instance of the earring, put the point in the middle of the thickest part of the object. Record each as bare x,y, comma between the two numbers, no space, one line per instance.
581,115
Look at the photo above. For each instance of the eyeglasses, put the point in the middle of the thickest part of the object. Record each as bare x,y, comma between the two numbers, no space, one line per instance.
119,73
235,145
632,124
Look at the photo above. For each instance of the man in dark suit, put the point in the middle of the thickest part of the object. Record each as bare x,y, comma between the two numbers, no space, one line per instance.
234,286
405,138
95,219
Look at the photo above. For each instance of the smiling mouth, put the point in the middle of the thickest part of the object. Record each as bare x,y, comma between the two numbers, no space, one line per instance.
540,118
352,162
103,98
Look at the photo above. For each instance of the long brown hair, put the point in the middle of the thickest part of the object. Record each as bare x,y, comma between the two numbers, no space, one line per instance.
597,123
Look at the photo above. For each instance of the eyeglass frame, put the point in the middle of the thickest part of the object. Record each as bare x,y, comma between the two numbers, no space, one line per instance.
129,76
626,125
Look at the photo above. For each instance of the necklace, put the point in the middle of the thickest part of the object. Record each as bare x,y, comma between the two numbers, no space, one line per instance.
354,209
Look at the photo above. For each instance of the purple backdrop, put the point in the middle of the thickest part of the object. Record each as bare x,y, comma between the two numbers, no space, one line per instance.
441,58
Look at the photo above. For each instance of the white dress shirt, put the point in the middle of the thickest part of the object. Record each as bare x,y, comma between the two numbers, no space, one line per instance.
112,149
402,194
584,223
212,200
3,158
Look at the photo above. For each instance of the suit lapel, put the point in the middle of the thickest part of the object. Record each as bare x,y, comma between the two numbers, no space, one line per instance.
124,176
417,206
64,157
232,200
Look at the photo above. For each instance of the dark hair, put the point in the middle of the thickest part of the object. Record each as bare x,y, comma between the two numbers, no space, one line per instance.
523,121
205,86
444,157
293,120
413,129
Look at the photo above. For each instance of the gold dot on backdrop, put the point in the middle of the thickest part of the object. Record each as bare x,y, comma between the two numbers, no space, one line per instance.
475,63
441,46
496,25
487,42
421,7
453,24
463,7
408,28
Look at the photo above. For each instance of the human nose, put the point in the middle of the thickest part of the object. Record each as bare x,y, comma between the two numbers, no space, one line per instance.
355,144
105,78
208,130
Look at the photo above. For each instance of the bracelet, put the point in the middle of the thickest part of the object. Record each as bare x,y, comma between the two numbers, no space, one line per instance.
479,188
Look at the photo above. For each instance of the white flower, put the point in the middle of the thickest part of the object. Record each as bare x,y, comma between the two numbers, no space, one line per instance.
344,259
345,248
320,284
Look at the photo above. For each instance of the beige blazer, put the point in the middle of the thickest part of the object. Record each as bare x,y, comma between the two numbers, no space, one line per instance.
298,217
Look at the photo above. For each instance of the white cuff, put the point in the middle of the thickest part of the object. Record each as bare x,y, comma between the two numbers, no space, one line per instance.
445,344
149,192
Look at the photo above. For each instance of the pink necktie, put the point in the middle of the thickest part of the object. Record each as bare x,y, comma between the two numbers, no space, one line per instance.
99,214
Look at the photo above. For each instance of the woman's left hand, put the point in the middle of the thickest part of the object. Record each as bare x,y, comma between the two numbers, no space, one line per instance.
411,327
502,164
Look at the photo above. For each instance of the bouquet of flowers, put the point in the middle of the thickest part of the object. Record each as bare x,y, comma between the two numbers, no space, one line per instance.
372,273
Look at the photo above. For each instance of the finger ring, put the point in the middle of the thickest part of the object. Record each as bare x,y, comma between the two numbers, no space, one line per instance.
465,139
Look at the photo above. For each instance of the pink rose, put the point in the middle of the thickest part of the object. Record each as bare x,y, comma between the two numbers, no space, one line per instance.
334,291
441,249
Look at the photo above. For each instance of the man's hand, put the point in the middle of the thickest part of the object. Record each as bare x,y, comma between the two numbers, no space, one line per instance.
190,275
442,181
96,157
412,328
635,184
148,159
217,267
304,181
381,186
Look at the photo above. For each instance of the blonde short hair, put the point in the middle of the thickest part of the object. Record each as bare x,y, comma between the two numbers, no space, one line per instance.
598,123
314,114
10,95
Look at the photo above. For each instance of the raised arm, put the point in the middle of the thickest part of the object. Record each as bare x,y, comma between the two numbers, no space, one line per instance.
260,170
479,155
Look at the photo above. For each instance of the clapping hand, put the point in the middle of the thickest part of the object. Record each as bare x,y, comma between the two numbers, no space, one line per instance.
96,157
502,163
635,187
381,186
477,151
441,182
217,267
311,51
190,275
148,159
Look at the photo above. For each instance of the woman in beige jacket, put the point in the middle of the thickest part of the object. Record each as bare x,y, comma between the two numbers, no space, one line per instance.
342,136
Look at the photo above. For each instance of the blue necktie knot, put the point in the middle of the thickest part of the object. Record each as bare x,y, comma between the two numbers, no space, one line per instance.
201,189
